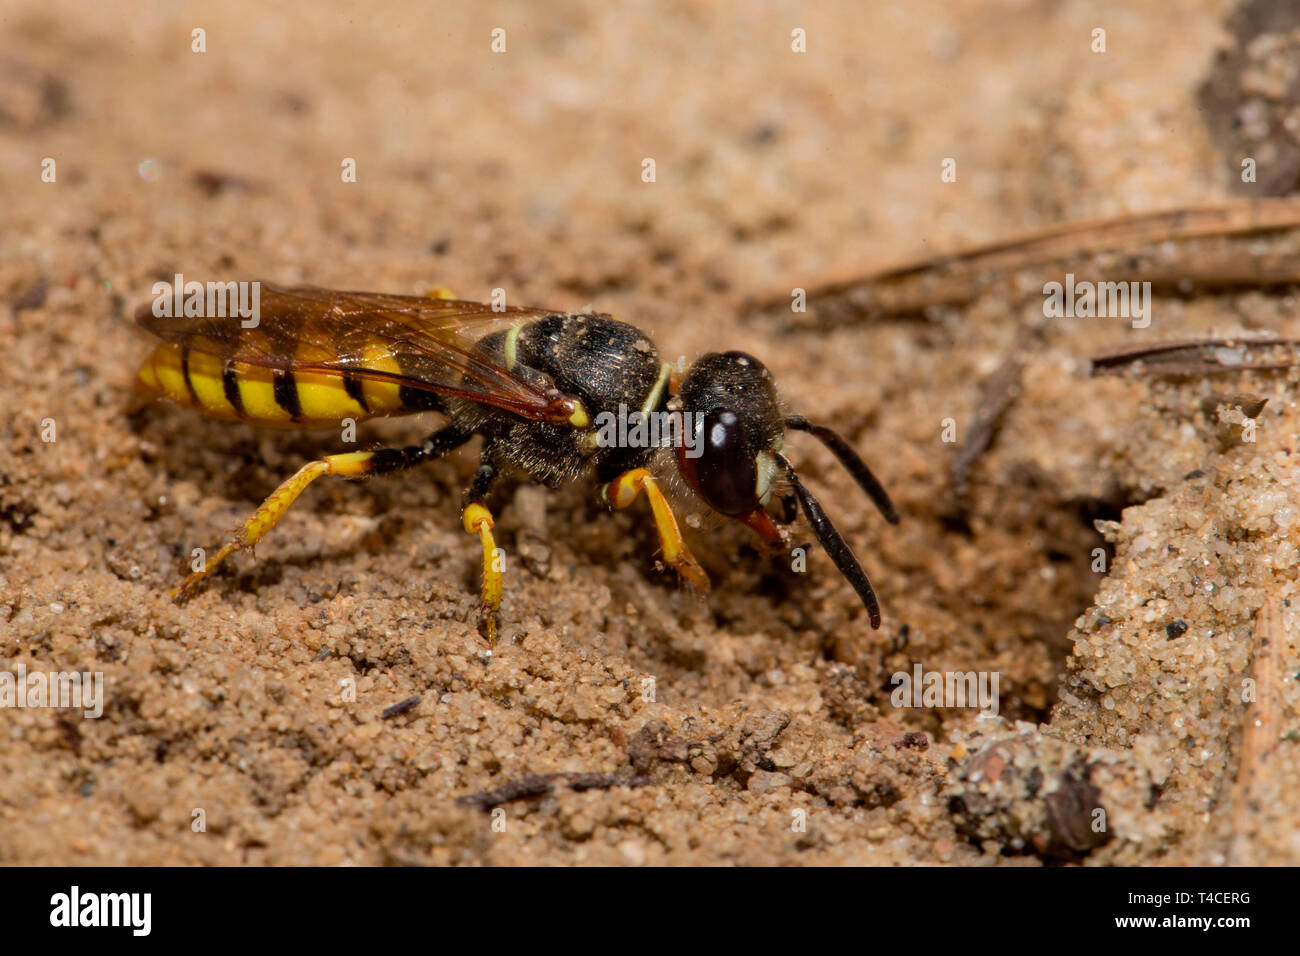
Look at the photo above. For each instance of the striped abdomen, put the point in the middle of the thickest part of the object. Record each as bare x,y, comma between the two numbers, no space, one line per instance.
262,396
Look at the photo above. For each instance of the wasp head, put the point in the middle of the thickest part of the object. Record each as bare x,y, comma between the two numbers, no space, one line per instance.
737,457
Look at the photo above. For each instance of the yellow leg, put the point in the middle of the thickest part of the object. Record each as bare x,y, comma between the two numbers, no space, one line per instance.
351,465
478,520
623,490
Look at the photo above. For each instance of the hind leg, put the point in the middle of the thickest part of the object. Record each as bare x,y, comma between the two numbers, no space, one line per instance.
357,464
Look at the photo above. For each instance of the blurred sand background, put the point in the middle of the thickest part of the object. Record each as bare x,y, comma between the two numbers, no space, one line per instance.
522,170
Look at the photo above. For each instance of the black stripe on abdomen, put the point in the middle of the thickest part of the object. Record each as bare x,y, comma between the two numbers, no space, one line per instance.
230,386
185,374
285,391
352,384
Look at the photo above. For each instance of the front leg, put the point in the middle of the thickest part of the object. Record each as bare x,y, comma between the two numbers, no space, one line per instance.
624,489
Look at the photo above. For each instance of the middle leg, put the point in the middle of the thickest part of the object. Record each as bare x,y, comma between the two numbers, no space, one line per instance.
478,520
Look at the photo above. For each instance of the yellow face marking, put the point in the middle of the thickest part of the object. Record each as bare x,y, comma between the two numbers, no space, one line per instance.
767,469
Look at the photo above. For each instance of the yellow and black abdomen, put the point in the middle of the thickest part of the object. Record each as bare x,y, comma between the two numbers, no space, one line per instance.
237,391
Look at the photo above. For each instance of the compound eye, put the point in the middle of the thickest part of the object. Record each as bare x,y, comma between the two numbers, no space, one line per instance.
726,472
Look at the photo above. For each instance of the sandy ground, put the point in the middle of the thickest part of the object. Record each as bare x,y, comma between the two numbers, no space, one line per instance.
621,720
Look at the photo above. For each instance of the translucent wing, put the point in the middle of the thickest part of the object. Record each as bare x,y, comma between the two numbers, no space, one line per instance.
414,341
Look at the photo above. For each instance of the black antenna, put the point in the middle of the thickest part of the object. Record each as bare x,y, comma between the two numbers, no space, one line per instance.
834,543
852,463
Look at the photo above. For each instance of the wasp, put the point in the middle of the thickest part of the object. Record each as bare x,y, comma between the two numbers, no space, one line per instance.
533,383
